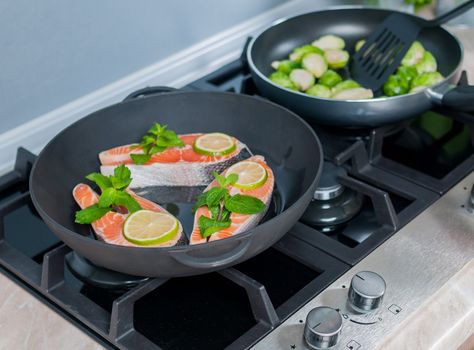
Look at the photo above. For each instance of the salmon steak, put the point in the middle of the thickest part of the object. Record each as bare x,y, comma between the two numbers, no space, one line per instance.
109,228
175,166
239,222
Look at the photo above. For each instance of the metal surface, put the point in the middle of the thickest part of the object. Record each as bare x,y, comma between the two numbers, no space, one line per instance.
322,327
352,24
268,129
415,263
366,291
328,186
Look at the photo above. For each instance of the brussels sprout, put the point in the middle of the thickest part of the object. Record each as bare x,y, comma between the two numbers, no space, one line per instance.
414,54
302,79
407,72
336,58
354,94
344,85
319,90
426,80
396,85
314,63
299,52
427,64
330,78
285,66
283,80
359,44
328,42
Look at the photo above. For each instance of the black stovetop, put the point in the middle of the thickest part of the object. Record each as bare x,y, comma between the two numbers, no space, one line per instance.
399,170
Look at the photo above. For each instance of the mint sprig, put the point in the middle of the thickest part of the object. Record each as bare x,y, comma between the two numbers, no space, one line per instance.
221,204
113,194
157,139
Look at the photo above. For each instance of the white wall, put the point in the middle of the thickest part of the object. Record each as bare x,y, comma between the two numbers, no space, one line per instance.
54,51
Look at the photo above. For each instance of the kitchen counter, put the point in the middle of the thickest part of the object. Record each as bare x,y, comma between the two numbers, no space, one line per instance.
27,323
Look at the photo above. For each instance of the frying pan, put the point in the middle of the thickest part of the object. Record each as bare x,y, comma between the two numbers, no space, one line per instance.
289,145
352,24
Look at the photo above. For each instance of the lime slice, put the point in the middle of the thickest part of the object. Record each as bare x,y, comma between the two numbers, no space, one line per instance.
251,174
214,144
146,227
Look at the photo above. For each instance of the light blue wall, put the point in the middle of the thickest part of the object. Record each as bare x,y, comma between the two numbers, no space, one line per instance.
54,51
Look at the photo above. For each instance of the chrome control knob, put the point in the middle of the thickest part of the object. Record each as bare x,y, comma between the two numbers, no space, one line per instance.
366,291
322,328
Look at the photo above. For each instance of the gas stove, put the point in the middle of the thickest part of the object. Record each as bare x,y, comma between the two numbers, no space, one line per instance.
386,179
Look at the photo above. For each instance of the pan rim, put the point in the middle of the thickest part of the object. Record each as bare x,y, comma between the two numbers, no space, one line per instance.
49,220
281,20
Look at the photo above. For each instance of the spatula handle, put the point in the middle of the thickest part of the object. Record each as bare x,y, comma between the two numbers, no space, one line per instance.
457,11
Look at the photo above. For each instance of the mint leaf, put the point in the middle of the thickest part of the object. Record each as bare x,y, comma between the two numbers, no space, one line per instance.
126,200
214,196
208,226
90,214
102,181
140,158
215,211
121,178
107,197
220,179
232,179
242,204
157,149
201,200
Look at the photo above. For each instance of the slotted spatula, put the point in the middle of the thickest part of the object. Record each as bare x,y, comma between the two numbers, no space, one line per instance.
385,48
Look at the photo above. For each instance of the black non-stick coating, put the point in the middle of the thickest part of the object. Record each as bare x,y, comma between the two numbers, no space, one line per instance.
289,145
352,24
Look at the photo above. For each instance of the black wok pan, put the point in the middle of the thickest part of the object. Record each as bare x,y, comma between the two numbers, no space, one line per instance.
289,145
352,24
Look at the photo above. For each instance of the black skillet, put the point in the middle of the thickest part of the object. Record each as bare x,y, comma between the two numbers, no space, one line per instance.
288,144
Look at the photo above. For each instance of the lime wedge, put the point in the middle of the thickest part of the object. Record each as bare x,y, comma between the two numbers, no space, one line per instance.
146,227
214,144
251,174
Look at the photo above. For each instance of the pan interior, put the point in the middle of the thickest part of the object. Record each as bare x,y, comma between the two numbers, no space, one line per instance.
277,42
286,142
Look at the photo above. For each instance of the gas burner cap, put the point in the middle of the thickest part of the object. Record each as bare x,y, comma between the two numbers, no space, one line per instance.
329,187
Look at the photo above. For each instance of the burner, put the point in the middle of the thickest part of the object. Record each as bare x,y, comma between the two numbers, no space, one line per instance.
91,274
333,204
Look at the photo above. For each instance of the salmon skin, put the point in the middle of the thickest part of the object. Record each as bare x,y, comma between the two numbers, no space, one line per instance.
109,228
239,222
174,166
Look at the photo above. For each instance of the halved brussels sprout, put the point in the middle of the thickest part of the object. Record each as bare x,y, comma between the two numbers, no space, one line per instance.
299,52
314,63
328,42
330,78
282,79
407,72
344,85
302,79
414,54
396,85
359,44
336,58
426,80
427,64
359,93
319,90
285,66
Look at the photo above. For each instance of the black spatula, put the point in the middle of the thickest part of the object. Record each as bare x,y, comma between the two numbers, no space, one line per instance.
385,48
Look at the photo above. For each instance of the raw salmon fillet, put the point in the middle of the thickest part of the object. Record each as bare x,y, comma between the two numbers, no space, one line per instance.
174,166
240,222
109,227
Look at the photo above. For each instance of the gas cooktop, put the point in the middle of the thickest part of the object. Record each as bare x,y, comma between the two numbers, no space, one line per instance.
382,178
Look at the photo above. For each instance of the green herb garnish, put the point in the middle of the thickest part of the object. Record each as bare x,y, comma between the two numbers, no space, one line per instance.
113,194
221,204
156,140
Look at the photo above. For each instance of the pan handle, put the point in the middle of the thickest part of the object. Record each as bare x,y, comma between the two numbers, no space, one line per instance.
149,90
460,98
216,261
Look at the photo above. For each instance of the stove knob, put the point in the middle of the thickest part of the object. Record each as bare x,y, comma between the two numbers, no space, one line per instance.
323,326
366,291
